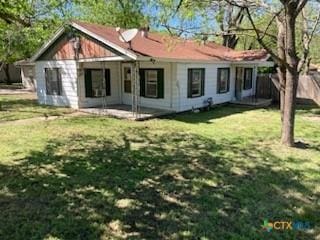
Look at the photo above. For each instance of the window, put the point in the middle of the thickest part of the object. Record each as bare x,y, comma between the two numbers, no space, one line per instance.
196,82
127,79
152,83
223,80
97,82
247,79
53,81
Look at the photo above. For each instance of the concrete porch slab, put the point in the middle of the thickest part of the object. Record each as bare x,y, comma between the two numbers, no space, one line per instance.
125,112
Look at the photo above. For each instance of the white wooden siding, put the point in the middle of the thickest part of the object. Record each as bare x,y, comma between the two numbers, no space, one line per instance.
161,103
115,79
169,78
210,87
69,95
183,103
175,85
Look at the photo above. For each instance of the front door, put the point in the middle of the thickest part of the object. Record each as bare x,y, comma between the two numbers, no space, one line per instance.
239,80
127,76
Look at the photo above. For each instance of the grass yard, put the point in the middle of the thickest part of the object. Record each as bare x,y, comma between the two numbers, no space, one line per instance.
211,175
15,107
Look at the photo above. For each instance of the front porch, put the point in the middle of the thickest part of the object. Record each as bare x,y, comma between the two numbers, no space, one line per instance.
125,111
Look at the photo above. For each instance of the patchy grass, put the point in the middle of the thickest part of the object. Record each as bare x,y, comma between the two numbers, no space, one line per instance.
14,107
211,175
11,86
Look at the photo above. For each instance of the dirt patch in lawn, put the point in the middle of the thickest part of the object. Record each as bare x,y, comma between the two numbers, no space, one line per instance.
36,119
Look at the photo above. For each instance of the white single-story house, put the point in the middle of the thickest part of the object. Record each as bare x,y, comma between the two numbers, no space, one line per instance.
87,65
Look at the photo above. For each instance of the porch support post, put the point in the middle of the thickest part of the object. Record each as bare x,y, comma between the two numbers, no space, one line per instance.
136,90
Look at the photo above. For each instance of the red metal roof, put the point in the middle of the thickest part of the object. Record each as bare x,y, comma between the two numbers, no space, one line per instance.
162,46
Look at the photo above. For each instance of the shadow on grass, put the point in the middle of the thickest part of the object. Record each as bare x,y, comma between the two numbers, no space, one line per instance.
14,108
216,112
144,186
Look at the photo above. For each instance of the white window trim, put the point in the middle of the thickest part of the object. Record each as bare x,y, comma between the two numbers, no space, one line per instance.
59,81
124,79
225,90
101,83
199,83
153,83
244,79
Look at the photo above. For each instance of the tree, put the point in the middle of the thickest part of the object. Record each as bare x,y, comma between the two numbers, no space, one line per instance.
290,64
290,56
229,19
122,13
24,25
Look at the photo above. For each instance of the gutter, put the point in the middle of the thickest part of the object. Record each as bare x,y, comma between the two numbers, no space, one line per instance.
177,60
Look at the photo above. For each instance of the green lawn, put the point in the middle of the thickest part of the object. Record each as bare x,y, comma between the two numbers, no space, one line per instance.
210,175
14,107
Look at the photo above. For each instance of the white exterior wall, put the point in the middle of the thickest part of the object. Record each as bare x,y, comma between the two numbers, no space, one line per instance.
210,88
169,101
184,103
175,85
115,78
69,95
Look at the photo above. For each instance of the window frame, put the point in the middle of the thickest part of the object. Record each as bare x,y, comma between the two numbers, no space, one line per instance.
102,88
154,83
59,81
105,84
245,83
200,83
125,90
219,90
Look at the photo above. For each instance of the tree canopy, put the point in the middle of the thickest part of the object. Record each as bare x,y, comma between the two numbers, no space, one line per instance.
26,24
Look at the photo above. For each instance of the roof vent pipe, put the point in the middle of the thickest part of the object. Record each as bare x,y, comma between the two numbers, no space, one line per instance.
144,32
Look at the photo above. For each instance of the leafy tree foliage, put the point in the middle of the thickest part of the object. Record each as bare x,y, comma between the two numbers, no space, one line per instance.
122,13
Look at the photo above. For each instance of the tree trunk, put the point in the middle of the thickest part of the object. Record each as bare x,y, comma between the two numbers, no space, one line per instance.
292,76
7,73
287,137
233,22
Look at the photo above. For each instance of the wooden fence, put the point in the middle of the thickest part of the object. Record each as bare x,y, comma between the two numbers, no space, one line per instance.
265,88
308,87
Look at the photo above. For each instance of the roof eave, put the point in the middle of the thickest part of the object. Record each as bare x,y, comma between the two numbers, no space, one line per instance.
126,52
46,45
260,62
61,30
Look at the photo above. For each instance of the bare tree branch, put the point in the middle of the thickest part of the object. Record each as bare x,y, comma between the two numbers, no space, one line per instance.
307,38
262,43
300,6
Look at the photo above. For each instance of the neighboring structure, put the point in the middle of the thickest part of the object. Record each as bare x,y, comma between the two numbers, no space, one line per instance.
27,72
309,88
84,62
13,71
